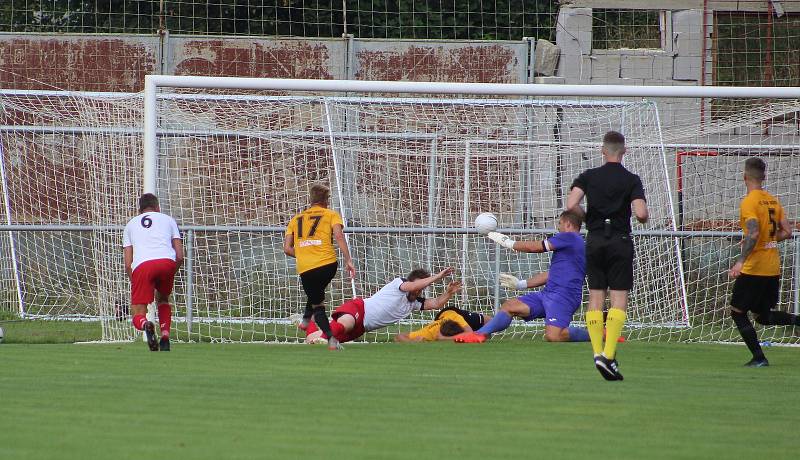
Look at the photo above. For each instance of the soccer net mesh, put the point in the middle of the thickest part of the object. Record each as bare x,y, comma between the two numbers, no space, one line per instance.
409,175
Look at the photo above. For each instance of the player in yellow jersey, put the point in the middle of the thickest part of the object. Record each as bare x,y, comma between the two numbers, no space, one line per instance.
309,239
757,269
449,322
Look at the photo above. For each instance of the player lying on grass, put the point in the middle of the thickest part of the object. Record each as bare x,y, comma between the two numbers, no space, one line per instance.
448,323
390,304
563,286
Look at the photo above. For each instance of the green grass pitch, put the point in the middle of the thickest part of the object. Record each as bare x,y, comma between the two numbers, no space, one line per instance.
514,399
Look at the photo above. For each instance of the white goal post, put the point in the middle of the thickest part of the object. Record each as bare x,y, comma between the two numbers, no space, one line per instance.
411,164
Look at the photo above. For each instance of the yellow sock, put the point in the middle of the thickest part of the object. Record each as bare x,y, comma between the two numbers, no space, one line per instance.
614,323
594,324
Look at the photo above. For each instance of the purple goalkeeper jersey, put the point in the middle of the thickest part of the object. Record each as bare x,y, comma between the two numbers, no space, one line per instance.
567,265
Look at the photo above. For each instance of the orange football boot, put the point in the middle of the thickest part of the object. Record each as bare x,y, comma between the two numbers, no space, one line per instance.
470,337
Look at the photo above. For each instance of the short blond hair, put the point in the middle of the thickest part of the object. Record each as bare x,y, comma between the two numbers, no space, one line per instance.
319,194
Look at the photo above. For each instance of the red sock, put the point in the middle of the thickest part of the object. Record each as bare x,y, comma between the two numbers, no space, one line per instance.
164,319
138,321
337,330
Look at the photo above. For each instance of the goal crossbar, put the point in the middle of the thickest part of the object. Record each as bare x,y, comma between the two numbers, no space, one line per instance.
501,89
153,82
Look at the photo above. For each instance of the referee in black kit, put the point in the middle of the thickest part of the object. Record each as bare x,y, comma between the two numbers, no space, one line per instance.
611,191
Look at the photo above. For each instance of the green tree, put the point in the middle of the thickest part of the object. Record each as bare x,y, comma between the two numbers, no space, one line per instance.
407,19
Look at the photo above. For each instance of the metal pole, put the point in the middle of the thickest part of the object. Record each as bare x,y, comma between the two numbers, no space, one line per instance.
496,277
433,195
498,89
678,242
11,240
344,17
338,174
189,281
796,241
150,139
465,219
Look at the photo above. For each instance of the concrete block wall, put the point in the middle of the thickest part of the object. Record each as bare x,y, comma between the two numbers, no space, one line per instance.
687,37
679,58
677,63
574,37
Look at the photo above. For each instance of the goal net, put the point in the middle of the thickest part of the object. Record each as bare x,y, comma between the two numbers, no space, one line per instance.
68,164
408,174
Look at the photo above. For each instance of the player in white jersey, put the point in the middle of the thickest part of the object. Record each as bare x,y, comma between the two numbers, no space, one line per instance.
153,253
393,302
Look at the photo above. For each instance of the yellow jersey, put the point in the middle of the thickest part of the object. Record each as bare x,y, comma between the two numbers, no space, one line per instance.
765,259
430,332
312,231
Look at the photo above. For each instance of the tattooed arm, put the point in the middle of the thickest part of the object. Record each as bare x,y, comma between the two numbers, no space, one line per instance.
748,244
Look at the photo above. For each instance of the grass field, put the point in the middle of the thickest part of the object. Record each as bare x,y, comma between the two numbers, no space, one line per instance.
514,399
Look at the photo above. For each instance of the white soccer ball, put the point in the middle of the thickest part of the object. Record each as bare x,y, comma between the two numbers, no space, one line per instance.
2,334
486,222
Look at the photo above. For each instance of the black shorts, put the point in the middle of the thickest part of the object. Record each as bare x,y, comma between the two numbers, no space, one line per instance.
609,261
474,319
758,294
316,280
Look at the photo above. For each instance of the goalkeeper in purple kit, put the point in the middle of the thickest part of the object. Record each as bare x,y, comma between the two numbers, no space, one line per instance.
563,286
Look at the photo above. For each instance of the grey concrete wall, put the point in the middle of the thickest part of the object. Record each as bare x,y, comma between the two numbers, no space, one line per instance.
449,61
249,57
77,62
678,60
120,62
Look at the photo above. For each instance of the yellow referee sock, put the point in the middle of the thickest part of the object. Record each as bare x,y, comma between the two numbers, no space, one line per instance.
594,324
614,323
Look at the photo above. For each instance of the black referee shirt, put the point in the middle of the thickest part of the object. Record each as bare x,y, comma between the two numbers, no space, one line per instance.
609,191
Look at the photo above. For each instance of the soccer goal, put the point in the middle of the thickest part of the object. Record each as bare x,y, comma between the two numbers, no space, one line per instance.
231,159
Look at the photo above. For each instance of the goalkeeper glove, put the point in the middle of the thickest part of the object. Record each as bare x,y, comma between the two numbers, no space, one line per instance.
512,282
502,240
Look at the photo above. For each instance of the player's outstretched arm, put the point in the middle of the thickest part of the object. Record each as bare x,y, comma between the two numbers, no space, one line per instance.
441,301
520,246
422,283
509,281
539,279
341,241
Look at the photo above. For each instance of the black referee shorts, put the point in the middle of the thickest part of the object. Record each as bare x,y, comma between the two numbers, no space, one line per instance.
758,294
316,280
609,261
474,319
